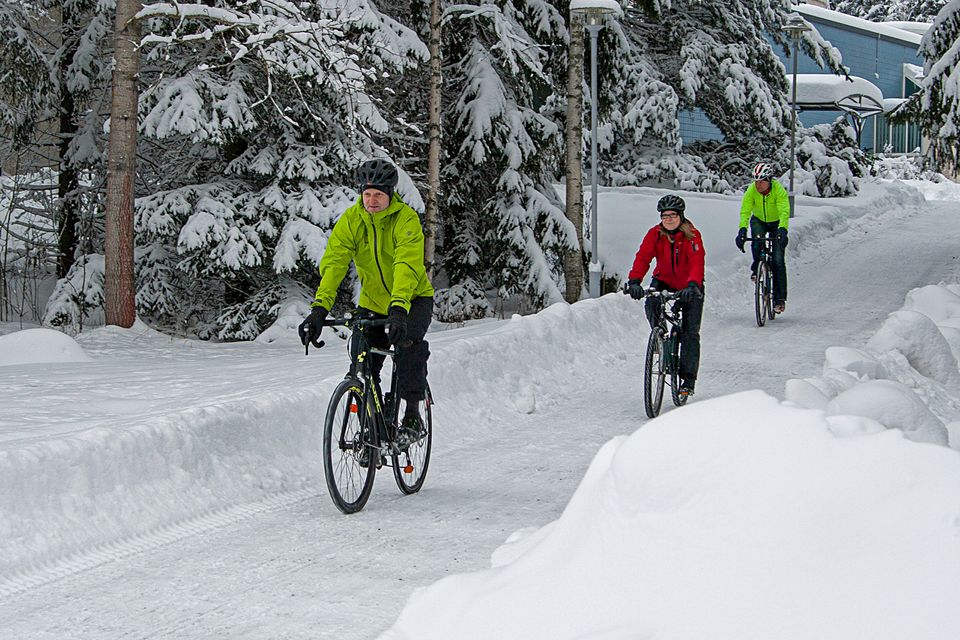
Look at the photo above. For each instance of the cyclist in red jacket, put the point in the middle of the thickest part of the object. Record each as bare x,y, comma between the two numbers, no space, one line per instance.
677,247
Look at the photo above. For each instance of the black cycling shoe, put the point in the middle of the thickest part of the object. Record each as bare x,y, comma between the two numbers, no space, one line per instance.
686,387
410,431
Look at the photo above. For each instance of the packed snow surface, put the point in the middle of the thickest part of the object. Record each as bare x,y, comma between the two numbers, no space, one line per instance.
183,479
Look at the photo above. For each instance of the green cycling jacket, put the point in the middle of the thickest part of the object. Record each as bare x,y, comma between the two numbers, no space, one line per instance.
387,249
766,208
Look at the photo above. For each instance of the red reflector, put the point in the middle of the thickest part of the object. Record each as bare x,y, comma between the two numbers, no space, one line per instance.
353,408
408,468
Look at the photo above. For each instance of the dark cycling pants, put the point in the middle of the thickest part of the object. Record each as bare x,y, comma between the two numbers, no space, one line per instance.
412,355
691,314
757,229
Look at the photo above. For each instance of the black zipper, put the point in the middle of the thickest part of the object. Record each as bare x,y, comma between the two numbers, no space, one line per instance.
376,257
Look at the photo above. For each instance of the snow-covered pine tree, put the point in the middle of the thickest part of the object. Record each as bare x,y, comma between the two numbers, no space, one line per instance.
503,225
888,10
62,115
255,118
937,105
709,55
26,72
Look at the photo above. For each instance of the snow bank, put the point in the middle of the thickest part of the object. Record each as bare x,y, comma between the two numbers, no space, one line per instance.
907,377
243,433
681,531
34,346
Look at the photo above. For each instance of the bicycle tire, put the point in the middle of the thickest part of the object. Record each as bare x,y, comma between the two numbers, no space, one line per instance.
410,467
771,307
654,375
349,481
678,399
761,293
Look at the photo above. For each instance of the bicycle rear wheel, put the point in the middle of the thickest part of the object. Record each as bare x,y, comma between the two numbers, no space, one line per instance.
349,463
410,466
678,399
762,293
654,375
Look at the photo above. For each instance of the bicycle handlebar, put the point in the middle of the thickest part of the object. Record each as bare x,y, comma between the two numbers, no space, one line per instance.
760,239
662,294
345,320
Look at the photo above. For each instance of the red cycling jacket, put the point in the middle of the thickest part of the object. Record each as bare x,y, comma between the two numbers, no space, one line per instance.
679,258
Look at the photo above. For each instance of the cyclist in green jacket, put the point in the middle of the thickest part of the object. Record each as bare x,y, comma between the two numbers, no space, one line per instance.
766,208
383,237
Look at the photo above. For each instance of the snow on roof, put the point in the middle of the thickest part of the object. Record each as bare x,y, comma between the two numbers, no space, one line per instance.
878,28
913,27
822,90
913,72
889,104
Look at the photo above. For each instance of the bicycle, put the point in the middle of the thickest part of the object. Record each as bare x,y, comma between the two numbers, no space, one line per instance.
663,354
763,286
361,432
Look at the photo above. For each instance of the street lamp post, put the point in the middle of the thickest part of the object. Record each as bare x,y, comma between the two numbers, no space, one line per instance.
594,13
794,26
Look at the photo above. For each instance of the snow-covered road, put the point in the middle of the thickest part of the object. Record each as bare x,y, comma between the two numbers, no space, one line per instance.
523,406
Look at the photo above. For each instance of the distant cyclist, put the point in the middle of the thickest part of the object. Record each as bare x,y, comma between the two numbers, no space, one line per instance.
766,208
384,239
677,247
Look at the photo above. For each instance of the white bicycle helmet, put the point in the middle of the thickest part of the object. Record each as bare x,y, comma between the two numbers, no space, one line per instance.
762,171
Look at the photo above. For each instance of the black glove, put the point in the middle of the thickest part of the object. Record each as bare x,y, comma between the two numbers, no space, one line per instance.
311,327
396,325
635,289
690,293
742,239
782,237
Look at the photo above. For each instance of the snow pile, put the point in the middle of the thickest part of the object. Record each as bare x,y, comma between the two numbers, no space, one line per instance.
40,346
157,440
681,531
907,375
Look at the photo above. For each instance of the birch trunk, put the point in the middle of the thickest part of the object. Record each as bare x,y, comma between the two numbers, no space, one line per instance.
573,258
433,152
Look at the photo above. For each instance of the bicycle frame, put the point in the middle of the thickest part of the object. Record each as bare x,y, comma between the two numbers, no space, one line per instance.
384,419
763,291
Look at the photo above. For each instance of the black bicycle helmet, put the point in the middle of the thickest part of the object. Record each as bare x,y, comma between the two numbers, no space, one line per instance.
762,171
377,174
671,202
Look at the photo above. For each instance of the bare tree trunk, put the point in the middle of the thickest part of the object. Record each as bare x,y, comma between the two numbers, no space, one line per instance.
573,258
67,181
433,153
119,288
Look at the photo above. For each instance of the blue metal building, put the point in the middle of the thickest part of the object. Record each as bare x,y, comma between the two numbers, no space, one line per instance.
884,54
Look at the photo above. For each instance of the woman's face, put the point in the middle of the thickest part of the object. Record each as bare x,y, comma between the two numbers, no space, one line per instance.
669,219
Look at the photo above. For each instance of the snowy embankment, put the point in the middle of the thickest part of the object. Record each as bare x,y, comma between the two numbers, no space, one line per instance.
97,477
747,517
156,431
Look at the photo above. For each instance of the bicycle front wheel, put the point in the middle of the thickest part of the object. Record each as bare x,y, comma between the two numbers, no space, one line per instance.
762,293
349,463
654,375
410,466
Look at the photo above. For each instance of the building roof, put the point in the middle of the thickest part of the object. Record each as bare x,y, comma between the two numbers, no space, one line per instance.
876,28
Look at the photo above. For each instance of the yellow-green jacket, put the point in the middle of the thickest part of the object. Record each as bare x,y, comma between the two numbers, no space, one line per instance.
387,249
767,208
